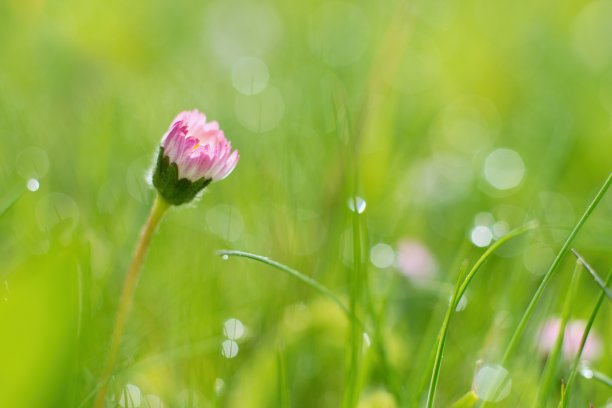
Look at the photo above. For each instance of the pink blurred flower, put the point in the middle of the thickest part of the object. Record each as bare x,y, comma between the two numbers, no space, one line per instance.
199,148
415,260
571,340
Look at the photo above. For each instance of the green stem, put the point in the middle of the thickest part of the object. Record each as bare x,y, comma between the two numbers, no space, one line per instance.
431,394
594,274
129,285
552,363
566,246
457,294
585,335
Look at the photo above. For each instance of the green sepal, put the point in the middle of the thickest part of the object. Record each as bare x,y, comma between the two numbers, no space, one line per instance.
172,189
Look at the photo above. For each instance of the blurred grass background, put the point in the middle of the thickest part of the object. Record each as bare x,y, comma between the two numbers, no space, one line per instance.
404,104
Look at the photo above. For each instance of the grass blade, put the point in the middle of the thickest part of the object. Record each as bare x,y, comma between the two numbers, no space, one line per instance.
435,374
598,280
585,335
298,275
555,264
552,363
458,293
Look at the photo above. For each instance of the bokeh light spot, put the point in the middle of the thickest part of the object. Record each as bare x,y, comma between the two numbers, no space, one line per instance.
504,169
250,75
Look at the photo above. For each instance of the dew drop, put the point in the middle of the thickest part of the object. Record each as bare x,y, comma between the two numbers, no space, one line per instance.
33,184
586,372
233,329
462,304
229,349
356,204
225,257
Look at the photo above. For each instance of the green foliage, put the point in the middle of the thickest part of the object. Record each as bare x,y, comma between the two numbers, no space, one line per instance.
455,122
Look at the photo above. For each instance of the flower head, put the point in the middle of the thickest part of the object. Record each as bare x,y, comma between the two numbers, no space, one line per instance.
193,153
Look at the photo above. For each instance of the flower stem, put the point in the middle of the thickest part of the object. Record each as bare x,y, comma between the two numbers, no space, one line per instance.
127,293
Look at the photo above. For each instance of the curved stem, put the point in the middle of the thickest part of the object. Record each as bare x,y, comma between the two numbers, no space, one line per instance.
555,264
459,291
127,293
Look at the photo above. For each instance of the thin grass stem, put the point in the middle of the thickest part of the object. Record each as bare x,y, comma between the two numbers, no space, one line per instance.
552,362
457,294
576,363
555,264
298,275
596,277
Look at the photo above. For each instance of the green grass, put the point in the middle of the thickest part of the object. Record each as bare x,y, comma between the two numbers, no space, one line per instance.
404,104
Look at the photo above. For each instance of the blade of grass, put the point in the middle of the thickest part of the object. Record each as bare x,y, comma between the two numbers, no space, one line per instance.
585,335
594,274
355,285
435,374
390,377
555,264
552,362
598,376
459,292
467,401
298,275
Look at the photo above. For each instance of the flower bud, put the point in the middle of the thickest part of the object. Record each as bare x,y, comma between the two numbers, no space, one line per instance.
193,153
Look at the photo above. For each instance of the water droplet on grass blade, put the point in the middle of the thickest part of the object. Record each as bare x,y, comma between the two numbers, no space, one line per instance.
356,204
492,383
225,257
462,304
586,372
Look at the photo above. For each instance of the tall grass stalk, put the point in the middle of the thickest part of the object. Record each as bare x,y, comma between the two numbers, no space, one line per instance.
576,363
458,293
552,362
555,264
355,284
298,275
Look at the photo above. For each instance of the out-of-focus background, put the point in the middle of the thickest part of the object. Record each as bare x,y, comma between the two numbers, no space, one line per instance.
448,123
